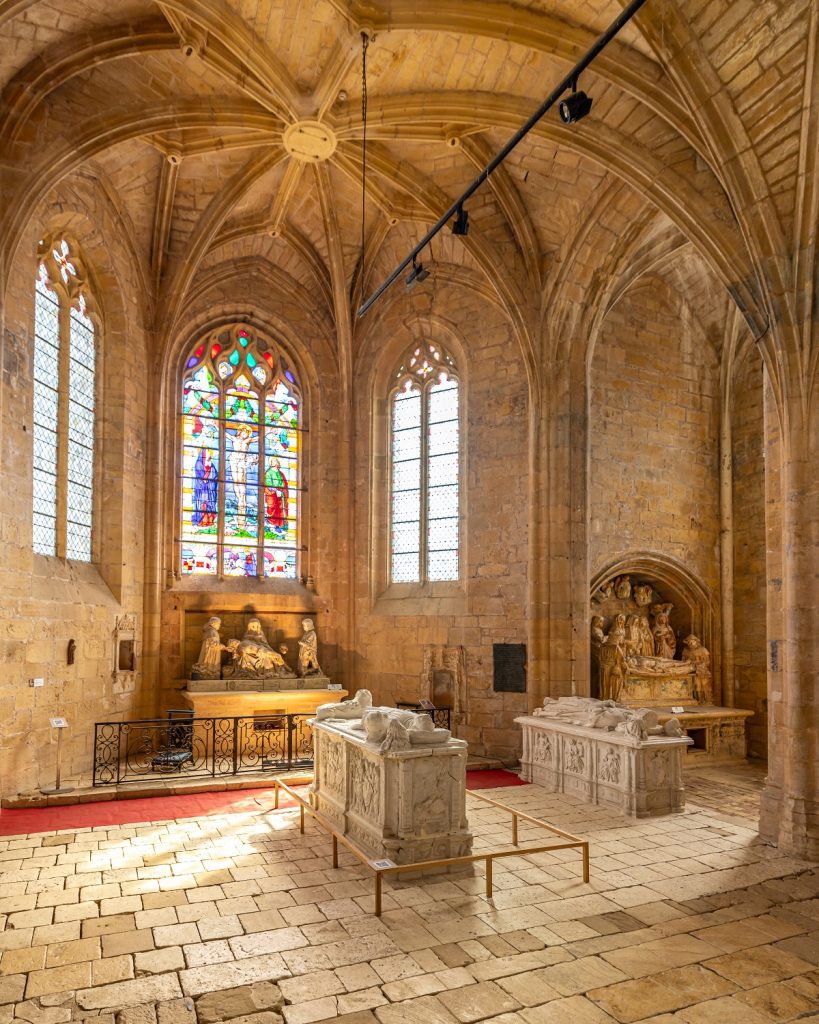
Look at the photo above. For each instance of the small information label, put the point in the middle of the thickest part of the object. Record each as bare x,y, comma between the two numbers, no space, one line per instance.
59,723
334,686
678,711
383,863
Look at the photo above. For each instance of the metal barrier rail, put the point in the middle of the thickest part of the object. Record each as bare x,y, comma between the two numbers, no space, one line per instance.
200,748
574,842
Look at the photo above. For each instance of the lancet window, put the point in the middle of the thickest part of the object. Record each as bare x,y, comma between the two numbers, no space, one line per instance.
425,467
241,430
64,401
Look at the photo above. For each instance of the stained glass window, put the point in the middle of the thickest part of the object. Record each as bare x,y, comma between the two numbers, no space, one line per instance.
241,440
425,468
64,392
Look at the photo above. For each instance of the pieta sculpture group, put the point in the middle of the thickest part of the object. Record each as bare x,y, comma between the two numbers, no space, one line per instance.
252,657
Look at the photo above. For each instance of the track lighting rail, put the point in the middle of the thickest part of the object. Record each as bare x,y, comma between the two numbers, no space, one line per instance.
569,81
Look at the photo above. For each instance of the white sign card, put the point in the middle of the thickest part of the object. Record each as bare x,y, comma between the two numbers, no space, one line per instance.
59,723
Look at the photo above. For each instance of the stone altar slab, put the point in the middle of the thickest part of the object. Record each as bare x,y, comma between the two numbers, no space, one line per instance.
640,778
718,734
400,805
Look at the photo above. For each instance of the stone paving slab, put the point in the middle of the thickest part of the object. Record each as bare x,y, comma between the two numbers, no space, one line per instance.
240,918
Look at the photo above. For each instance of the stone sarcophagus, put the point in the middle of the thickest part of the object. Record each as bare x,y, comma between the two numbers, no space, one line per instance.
637,774
400,805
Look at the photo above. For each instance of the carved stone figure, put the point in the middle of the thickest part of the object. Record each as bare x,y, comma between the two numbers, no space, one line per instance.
346,709
700,657
209,663
642,595
612,666
606,590
397,737
634,639
665,642
598,636
254,658
308,650
608,715
646,636
622,587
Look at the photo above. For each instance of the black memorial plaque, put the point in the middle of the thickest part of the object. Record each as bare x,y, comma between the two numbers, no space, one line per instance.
509,668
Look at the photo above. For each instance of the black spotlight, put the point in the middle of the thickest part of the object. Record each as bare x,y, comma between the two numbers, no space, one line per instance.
574,107
460,226
416,275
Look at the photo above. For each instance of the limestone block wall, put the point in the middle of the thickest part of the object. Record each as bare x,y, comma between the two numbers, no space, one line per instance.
394,626
654,435
750,582
47,601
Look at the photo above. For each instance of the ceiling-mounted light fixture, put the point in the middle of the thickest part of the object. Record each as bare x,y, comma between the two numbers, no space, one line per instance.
460,226
416,275
575,106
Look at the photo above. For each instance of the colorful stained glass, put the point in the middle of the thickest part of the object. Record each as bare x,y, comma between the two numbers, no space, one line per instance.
252,505
46,405
425,457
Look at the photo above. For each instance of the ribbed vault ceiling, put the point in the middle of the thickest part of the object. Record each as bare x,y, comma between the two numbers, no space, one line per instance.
180,107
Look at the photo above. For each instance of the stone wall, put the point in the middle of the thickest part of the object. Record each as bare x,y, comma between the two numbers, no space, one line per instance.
654,433
750,586
394,626
47,601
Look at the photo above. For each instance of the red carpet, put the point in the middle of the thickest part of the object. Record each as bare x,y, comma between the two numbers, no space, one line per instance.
166,808
492,778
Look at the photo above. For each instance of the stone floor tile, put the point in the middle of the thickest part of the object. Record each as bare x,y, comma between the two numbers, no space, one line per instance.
578,976
312,986
758,966
653,957
804,946
62,953
58,979
196,980
661,993
357,976
130,993
157,961
267,942
235,1003
424,1010
779,1003
363,999
727,1010
574,1010
21,961
529,988
315,1010
477,1002
114,968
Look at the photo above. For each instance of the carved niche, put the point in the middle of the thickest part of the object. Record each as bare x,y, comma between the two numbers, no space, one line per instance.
443,679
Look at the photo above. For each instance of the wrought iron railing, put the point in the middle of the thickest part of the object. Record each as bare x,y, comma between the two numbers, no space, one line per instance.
188,747
440,716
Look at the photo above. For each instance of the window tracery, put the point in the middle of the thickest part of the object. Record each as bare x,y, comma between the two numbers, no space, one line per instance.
241,451
425,467
64,404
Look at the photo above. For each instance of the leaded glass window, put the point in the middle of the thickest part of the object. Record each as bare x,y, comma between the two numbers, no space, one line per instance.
425,468
241,442
64,400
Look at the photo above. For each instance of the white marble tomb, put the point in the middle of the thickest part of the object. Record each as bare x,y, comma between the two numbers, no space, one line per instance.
637,774
403,805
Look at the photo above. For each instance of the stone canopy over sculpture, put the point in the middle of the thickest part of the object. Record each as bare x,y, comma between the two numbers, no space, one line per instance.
634,647
252,656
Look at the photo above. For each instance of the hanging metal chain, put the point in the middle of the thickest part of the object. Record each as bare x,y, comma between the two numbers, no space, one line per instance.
365,42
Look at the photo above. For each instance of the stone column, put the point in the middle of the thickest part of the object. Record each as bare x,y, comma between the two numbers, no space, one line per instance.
790,802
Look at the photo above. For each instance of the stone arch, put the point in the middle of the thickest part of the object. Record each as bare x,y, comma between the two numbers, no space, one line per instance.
695,606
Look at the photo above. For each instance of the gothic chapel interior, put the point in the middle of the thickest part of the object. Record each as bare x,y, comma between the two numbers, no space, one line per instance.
612,375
